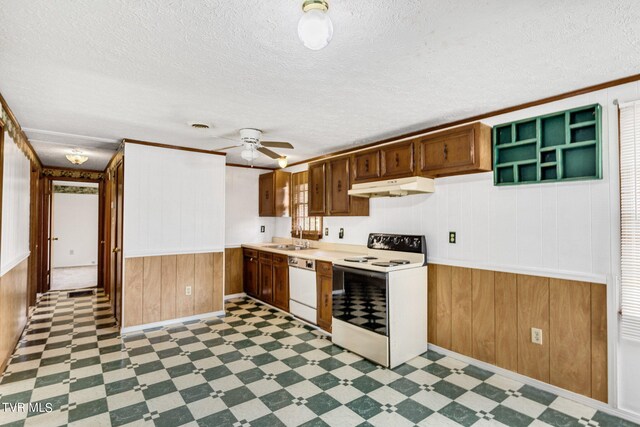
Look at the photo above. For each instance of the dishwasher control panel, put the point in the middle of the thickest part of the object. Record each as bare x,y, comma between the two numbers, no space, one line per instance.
306,264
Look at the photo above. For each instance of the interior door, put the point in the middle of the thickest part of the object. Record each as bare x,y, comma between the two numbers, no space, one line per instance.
119,208
48,197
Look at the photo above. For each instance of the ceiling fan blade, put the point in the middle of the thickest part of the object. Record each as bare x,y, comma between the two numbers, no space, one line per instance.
276,144
229,147
269,153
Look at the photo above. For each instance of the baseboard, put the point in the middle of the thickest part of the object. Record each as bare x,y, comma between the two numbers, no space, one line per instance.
139,328
601,406
233,296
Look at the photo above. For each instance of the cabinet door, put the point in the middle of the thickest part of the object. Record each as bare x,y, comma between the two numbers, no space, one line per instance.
317,195
250,273
339,186
366,166
325,287
267,203
450,152
280,282
397,160
266,277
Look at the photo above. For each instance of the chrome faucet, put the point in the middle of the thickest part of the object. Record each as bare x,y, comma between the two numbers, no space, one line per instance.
301,241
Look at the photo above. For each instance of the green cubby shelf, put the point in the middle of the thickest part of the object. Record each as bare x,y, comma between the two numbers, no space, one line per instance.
560,146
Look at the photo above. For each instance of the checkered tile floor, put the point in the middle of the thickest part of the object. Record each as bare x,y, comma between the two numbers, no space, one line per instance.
254,367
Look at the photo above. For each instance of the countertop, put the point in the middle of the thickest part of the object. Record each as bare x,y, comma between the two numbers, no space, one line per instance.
317,254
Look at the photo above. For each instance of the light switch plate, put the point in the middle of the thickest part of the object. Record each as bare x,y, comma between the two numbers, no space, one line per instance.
341,233
262,228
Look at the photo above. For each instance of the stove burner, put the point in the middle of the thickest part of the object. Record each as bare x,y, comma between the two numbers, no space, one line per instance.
370,257
399,261
383,264
355,259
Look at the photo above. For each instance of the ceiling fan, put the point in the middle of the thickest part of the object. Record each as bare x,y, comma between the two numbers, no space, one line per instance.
251,143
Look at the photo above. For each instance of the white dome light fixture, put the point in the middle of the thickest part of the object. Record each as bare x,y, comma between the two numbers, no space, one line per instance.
315,28
76,157
282,162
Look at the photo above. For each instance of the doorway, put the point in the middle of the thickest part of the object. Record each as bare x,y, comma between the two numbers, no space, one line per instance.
74,235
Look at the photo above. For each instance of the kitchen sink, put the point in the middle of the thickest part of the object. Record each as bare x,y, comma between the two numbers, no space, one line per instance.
288,247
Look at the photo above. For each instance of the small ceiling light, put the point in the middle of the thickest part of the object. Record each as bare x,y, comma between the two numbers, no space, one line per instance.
76,157
282,162
315,28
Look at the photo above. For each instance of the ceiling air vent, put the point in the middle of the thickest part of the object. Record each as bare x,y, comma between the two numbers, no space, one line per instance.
199,125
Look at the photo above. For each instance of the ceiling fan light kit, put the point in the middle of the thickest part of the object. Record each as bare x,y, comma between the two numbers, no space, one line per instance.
282,162
315,28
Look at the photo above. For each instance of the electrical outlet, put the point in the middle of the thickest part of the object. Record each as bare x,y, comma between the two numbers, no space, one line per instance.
536,336
326,231
187,290
341,233
452,237
262,228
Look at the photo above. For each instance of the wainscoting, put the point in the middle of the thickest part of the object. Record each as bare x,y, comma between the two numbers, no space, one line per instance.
155,287
488,315
13,309
233,271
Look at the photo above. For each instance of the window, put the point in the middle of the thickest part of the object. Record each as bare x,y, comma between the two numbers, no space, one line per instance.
311,225
630,218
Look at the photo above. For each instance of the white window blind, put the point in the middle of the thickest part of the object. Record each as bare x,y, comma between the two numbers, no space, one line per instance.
630,218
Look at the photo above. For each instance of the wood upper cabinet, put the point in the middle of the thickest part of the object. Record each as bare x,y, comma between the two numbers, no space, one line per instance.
317,193
339,184
324,281
274,189
397,160
366,166
250,271
265,274
464,149
281,282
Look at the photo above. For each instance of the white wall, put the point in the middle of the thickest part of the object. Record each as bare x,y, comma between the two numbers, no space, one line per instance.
174,201
16,170
242,222
75,224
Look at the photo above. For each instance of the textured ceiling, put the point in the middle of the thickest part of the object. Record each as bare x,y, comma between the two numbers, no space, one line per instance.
143,69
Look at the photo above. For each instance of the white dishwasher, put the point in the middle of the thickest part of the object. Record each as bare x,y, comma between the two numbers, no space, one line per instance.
303,293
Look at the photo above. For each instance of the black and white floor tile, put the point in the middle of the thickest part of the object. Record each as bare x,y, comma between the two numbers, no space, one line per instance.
254,367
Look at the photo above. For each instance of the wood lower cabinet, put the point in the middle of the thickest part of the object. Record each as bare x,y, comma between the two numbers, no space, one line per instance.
265,274
397,160
274,189
250,271
281,282
465,149
324,281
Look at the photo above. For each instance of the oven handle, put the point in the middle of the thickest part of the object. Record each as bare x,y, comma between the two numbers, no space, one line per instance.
360,271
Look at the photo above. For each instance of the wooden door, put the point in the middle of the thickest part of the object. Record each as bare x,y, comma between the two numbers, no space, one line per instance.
119,215
48,232
250,272
267,195
366,166
317,194
281,282
452,150
339,184
265,271
324,279
397,160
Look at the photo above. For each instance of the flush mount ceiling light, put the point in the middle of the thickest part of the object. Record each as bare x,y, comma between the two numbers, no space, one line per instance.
282,162
76,157
315,28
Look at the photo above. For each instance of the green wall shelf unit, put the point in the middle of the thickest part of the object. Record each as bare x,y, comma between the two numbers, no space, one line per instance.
562,146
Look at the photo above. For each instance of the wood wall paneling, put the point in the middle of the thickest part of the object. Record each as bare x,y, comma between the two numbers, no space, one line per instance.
233,271
185,267
570,335
134,274
169,286
152,277
599,371
432,302
218,281
13,309
461,310
483,315
533,312
506,315
443,315
203,283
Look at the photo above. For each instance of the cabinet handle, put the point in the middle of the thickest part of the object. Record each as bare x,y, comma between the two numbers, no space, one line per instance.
316,188
339,186
266,194
326,299
397,160
366,165
445,151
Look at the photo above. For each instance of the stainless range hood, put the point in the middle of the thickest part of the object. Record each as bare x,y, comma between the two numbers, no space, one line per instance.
393,187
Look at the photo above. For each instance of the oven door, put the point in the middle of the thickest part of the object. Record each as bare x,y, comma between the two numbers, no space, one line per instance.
360,298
